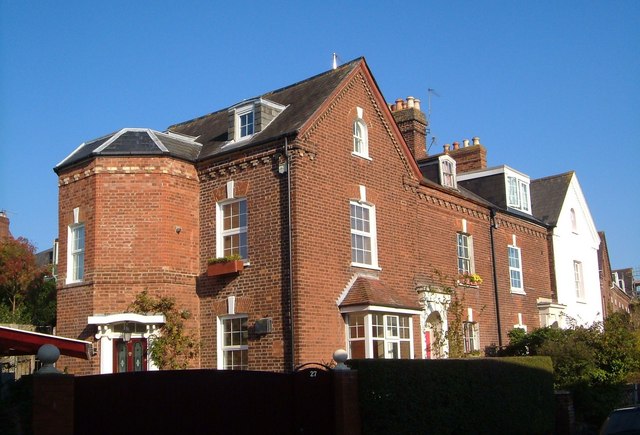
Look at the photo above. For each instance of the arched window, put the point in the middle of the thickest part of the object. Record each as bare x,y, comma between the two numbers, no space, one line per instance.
360,136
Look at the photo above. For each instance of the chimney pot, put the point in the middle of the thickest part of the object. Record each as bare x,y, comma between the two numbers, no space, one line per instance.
476,140
392,107
456,145
465,143
410,101
399,104
416,104
446,147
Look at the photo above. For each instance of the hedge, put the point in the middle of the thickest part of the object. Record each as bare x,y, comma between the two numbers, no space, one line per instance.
511,395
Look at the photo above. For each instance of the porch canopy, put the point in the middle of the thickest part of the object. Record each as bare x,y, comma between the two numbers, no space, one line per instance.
19,342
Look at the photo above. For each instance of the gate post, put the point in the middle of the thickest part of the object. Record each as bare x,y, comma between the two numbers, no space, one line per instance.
53,396
345,390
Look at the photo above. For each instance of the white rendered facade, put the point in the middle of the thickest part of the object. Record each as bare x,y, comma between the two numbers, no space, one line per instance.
575,253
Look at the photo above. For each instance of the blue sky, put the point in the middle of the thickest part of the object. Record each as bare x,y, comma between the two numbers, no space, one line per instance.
548,86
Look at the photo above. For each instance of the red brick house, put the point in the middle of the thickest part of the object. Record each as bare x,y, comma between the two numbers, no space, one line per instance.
616,296
349,235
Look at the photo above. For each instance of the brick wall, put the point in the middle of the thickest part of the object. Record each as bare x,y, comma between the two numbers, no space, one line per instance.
131,208
261,289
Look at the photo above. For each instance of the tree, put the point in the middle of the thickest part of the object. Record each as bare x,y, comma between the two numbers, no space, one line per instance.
594,362
174,348
17,271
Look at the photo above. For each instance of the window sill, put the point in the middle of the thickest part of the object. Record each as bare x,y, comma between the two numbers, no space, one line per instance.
362,156
581,301
467,284
73,284
518,291
365,266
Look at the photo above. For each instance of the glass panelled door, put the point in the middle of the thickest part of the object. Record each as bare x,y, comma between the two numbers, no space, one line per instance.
130,356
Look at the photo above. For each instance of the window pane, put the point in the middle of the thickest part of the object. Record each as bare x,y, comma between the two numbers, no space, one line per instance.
393,350
378,348
404,327
234,343
392,327
356,325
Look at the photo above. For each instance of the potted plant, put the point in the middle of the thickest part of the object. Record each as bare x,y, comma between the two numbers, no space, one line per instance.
225,265
470,280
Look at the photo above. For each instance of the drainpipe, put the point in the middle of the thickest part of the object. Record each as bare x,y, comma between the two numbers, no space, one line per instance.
493,225
291,330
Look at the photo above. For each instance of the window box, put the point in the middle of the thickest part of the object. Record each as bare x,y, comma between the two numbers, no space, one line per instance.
225,266
470,280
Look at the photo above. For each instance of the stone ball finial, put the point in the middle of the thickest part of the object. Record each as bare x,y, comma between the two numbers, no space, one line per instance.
340,356
48,354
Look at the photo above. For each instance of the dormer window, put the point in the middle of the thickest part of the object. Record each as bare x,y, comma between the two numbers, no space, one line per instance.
360,135
448,171
518,194
246,124
244,121
249,118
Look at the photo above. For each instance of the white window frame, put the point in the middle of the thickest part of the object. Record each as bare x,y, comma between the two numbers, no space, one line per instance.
578,279
363,234
240,113
518,193
515,267
464,253
471,334
75,253
242,347
222,234
393,331
360,136
447,178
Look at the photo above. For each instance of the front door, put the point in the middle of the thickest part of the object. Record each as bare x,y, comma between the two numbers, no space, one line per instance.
130,356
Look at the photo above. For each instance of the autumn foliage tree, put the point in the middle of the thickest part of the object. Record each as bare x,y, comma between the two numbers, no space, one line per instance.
26,295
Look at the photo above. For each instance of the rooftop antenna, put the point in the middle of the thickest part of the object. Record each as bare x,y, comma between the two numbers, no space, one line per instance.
430,92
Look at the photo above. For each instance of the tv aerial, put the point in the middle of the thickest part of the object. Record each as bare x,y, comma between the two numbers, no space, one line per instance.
430,92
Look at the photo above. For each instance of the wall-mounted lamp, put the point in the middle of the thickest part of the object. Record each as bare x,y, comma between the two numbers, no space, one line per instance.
126,332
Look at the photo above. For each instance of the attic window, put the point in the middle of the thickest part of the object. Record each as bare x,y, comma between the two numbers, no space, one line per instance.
447,171
360,135
518,194
244,121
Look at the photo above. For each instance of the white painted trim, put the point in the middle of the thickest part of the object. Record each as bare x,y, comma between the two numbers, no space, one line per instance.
378,308
126,317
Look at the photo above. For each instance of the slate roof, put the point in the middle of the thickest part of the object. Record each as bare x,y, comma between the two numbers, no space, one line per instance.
370,291
301,100
135,141
547,196
207,135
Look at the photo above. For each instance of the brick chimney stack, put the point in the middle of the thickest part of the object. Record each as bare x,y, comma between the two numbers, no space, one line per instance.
4,225
413,124
468,157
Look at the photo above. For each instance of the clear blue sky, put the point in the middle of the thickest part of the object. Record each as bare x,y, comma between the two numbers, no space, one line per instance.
548,86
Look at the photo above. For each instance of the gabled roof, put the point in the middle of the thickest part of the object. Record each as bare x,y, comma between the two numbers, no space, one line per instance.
301,100
548,195
207,136
135,141
370,291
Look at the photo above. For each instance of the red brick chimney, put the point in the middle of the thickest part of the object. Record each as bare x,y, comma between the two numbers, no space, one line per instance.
412,123
4,225
468,157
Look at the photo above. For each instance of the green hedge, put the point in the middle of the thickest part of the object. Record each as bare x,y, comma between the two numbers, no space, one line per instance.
457,396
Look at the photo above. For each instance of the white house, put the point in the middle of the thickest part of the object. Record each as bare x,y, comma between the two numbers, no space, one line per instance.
559,202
